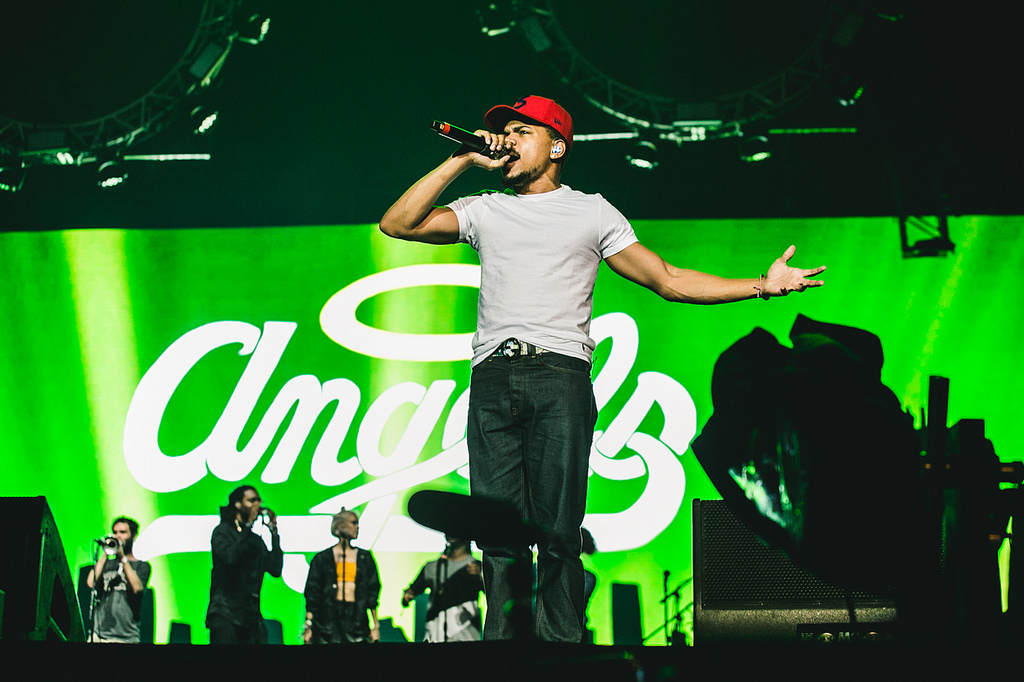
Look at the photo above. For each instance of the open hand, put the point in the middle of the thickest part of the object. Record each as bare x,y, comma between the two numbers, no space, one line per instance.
783,279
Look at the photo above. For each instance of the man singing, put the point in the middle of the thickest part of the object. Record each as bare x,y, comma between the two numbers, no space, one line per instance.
240,558
532,410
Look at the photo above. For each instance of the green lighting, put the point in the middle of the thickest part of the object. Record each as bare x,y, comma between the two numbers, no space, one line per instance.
755,148
812,131
101,298
206,123
89,312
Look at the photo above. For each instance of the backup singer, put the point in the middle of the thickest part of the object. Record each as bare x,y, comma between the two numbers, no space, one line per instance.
240,558
342,587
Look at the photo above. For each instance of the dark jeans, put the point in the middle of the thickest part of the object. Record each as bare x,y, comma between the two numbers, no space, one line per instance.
223,631
349,624
531,424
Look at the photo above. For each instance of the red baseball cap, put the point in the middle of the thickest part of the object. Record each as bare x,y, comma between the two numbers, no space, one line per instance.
532,108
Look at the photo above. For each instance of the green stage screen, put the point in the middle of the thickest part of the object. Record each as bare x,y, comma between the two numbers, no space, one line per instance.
147,373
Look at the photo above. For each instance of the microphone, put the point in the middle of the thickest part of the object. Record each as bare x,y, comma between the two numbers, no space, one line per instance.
469,141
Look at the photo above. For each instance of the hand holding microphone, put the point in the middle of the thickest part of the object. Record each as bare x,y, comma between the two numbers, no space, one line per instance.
269,518
470,142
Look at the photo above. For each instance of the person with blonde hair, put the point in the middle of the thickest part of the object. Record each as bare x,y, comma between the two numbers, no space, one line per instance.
342,589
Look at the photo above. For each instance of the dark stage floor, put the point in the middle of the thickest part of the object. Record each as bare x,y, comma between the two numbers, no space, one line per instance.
514,661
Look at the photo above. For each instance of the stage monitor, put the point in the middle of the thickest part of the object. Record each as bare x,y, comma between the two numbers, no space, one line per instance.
745,591
40,602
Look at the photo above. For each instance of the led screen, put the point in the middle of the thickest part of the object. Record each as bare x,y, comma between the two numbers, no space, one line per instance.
147,373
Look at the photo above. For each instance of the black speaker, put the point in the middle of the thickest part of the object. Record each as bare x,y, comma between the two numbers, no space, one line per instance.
626,625
181,633
40,599
744,590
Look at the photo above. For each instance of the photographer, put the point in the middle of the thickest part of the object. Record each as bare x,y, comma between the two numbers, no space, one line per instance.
119,580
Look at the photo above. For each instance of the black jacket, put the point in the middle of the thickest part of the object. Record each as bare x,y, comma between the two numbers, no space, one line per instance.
322,588
240,558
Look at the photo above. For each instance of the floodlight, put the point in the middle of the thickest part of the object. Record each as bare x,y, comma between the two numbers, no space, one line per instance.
848,93
496,18
12,172
754,148
111,173
208,63
254,29
643,155
203,118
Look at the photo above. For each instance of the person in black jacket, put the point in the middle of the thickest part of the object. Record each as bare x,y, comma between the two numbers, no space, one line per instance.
240,558
342,587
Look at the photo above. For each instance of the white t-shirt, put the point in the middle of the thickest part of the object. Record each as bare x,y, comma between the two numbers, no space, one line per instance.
539,255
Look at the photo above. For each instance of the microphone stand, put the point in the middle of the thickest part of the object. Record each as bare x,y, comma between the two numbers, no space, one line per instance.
94,595
442,582
670,635
664,607
344,566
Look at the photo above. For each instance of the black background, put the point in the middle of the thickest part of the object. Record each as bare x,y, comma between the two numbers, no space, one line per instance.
326,122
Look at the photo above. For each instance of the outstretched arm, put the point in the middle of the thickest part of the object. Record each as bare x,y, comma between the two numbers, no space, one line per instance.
639,264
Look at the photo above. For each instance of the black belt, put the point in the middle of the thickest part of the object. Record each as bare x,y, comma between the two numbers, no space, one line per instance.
514,347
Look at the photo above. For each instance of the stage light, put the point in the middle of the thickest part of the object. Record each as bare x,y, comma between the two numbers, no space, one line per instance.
844,35
496,18
594,137
643,155
167,157
46,140
111,173
849,94
711,106
535,35
207,65
849,99
203,119
35,143
754,148
12,172
254,29
811,131
936,231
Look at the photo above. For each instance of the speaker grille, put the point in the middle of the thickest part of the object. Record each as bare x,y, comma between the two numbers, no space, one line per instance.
738,568
745,590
